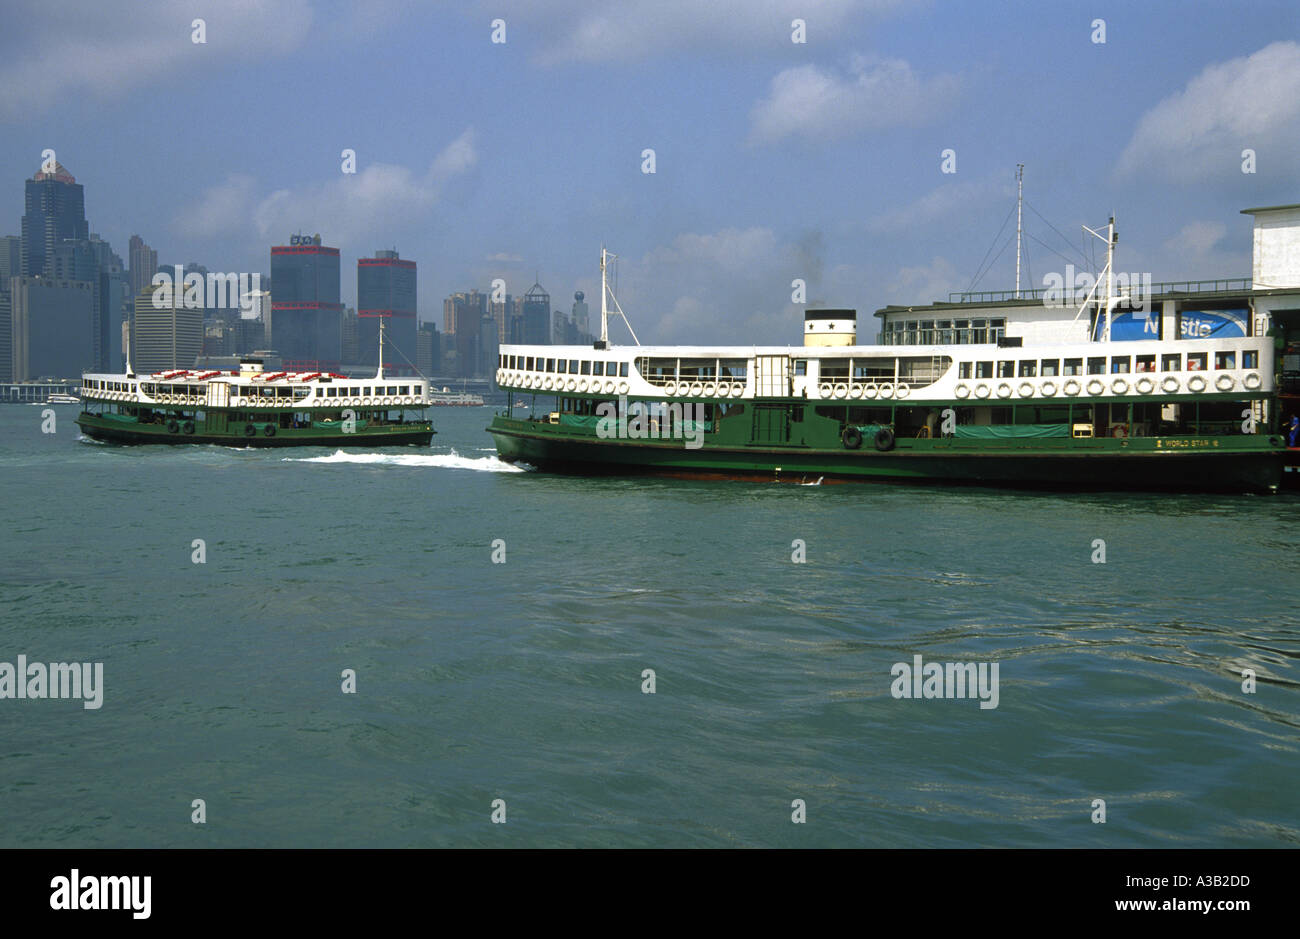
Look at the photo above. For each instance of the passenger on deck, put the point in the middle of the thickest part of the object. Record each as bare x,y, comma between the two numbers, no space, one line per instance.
1293,432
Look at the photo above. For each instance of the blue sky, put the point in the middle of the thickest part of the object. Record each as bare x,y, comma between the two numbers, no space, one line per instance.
774,160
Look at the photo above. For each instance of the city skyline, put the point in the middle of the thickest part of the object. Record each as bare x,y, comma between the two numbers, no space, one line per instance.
773,159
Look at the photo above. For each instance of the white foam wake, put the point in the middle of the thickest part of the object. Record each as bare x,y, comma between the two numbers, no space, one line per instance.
452,460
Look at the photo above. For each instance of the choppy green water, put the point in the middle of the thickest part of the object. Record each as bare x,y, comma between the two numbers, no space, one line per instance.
522,681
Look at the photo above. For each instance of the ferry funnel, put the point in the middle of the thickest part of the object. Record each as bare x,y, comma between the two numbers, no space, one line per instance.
830,327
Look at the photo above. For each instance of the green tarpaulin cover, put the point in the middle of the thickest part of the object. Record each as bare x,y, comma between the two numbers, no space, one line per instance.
1012,430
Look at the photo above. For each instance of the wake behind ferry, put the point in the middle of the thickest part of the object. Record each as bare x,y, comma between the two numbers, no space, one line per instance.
1177,390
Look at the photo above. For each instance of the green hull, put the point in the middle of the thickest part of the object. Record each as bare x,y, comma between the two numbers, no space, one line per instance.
115,428
1202,464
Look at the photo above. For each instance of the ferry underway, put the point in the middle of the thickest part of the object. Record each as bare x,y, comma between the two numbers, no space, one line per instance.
1180,394
249,407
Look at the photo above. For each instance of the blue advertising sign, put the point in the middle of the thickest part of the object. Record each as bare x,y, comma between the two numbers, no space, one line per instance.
1212,324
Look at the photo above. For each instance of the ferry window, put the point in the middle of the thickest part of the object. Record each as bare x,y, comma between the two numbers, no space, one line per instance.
1119,365
513,360
1171,363
1006,370
963,370
962,329
801,366
1146,363
573,366
404,390
1028,369
979,332
1225,360
1050,367
622,370
911,332
550,365
1097,365
528,367
611,368
1196,361
354,391
983,369
586,367
332,393
1073,367
927,331
1250,359
945,335
997,329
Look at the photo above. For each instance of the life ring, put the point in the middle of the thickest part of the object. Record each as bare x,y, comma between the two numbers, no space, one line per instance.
1096,387
697,388
1169,385
269,430
172,426
884,439
622,387
886,391
548,383
250,430
1196,383
851,437
1071,387
188,427
1119,386
609,387
901,390
870,390
981,391
737,390
572,384
855,391
710,390
1048,388
367,402
825,391
1144,386
962,391
841,391
1225,382
582,385
501,376
1026,390
1004,390
1119,430
1252,381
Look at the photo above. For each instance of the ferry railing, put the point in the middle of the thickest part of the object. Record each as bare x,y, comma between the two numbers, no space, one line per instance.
1218,285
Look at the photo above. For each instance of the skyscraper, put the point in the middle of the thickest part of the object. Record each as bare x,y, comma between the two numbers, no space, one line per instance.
144,264
428,350
11,266
386,291
581,318
463,322
55,211
537,316
166,338
307,317
52,328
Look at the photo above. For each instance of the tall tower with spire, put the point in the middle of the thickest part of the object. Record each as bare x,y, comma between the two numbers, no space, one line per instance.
55,212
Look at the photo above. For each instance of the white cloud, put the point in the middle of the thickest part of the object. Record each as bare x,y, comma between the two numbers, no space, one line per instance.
1252,102
873,93
951,202
380,199
925,283
58,48
1196,240
580,31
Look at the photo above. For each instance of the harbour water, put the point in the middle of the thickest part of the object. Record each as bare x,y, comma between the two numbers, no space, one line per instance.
523,681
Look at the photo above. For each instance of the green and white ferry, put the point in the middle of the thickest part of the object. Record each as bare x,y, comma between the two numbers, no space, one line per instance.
1103,397
250,407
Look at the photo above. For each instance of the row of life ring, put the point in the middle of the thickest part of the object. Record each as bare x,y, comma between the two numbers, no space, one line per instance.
705,389
871,390
1096,387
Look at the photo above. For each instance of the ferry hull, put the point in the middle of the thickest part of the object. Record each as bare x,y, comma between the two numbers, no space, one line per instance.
1110,468
111,431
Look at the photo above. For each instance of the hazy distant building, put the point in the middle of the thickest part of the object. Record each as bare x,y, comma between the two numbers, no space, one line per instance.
386,291
11,266
351,351
428,350
166,338
55,212
143,265
463,315
581,318
306,315
114,305
501,312
537,316
51,330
